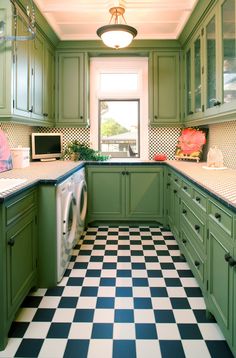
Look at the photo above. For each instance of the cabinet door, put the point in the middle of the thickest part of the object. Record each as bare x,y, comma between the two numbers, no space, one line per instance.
37,77
22,77
49,84
220,279
106,193
144,193
72,90
164,95
21,260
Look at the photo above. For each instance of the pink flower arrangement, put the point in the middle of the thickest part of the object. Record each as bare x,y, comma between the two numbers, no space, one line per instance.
191,141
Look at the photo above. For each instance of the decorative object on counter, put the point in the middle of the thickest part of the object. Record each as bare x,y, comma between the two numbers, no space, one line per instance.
81,151
215,159
190,144
117,35
5,154
160,157
20,157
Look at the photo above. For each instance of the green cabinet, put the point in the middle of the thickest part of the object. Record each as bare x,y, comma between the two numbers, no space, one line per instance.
164,88
72,90
26,75
18,255
125,193
173,195
210,94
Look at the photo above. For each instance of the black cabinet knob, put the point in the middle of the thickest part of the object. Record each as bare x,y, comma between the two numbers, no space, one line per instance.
196,227
31,109
190,112
169,174
155,116
184,211
232,262
81,117
184,241
127,173
198,198
11,242
45,114
175,191
185,187
197,263
176,179
168,184
227,257
123,173
217,216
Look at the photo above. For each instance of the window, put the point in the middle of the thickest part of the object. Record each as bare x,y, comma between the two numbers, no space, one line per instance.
118,106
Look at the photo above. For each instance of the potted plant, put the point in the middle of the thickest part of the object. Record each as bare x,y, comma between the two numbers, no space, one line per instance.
81,151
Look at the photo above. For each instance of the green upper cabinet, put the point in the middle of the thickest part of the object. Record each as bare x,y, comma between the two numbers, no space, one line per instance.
210,67
72,97
164,88
26,74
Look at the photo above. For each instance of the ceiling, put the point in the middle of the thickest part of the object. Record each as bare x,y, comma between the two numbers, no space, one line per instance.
80,19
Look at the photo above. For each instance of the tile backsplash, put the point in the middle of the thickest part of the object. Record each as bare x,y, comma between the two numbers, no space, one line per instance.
161,140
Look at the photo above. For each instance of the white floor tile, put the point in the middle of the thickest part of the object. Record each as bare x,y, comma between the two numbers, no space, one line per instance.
72,291
100,348
106,291
124,331
195,349
170,273
52,348
38,292
80,330
91,281
156,282
211,331
123,266
103,315
167,331
189,282
37,330
148,349
197,302
124,282
141,292
49,302
11,348
78,273
87,302
124,302
161,303
25,314
64,315
139,273
176,292
184,316
144,316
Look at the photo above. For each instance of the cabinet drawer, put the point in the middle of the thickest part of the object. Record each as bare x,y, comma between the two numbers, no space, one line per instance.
186,189
221,217
200,199
195,260
17,206
176,179
194,223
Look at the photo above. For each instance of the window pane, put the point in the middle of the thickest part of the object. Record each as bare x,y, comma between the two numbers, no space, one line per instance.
211,63
197,77
188,85
115,81
229,48
119,128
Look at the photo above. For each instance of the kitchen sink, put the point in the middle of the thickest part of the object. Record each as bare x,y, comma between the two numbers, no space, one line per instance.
10,183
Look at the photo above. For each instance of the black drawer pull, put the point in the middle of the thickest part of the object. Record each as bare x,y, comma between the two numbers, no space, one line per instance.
123,173
198,198
184,211
190,112
45,114
184,241
168,184
11,242
185,187
227,257
197,263
196,227
175,191
176,179
217,216
127,173
232,262
169,174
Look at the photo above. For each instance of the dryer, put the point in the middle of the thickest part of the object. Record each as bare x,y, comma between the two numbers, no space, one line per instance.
81,198
67,220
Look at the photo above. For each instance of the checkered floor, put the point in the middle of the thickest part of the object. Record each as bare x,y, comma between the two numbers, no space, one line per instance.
127,293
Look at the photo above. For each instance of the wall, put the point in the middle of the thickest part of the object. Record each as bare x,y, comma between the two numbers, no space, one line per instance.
161,140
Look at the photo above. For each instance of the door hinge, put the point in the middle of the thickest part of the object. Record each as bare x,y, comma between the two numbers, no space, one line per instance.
203,108
207,284
13,103
208,234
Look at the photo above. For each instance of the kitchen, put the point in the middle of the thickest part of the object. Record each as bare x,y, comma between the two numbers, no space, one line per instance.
180,92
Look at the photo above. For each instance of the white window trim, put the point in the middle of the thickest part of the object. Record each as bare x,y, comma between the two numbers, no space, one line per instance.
122,65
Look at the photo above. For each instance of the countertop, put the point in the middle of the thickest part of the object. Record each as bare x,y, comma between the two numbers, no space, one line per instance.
219,183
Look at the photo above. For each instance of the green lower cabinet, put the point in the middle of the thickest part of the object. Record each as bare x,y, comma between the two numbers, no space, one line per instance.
125,193
18,256
220,300
174,209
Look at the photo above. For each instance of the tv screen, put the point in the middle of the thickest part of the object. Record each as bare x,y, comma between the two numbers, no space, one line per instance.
46,146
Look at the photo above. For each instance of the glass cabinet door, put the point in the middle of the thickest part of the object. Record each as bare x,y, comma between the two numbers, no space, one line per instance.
228,51
211,63
188,83
197,75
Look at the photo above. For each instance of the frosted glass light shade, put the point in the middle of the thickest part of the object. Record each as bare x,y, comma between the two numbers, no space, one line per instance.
117,35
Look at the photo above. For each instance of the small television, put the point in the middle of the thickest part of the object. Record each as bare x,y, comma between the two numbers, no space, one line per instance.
46,146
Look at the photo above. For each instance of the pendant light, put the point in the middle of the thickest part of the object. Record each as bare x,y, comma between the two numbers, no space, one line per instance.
117,35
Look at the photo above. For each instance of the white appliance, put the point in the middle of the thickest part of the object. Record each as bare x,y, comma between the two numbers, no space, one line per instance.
81,197
67,220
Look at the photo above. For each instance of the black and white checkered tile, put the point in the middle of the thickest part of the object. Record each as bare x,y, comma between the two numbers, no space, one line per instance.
127,293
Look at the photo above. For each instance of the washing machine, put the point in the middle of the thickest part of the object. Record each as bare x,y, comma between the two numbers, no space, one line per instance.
81,198
67,224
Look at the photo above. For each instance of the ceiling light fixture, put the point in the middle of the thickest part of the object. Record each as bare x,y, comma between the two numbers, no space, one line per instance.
117,35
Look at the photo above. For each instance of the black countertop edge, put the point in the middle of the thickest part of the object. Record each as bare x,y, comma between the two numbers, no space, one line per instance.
203,188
